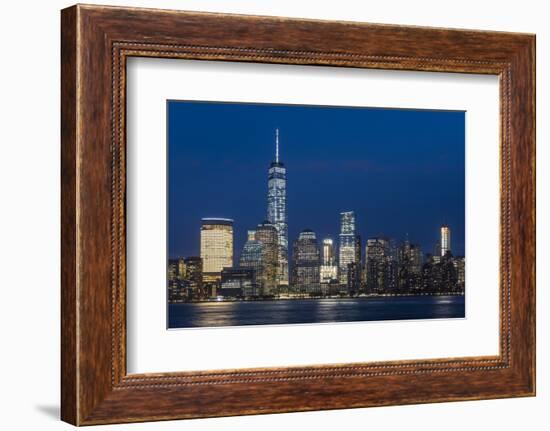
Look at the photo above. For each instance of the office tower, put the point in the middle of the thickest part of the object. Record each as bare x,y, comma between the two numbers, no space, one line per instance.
445,240
276,211
267,278
347,249
411,255
251,258
329,269
410,260
216,247
306,259
378,266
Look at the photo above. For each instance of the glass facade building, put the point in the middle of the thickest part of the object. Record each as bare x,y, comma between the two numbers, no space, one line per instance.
347,252
252,258
276,211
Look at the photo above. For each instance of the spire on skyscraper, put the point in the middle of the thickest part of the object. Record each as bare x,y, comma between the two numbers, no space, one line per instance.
277,145
276,210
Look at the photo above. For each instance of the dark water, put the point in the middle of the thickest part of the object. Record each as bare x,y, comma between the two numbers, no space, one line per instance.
208,314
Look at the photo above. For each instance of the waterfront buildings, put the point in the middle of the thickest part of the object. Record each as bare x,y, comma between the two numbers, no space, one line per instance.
306,262
276,211
440,275
387,269
185,279
347,252
237,283
216,247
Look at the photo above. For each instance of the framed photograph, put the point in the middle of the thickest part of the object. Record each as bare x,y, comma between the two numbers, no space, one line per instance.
265,215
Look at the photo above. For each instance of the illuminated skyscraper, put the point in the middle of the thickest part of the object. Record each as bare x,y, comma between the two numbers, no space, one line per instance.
445,239
216,247
329,269
267,234
377,265
410,260
252,258
347,249
306,261
328,252
276,211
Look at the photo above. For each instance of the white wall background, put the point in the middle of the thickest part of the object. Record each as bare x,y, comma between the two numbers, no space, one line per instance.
29,217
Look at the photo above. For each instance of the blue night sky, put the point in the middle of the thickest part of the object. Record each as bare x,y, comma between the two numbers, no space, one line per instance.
401,171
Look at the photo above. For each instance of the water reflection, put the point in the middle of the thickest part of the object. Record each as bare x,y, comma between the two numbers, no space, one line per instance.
215,314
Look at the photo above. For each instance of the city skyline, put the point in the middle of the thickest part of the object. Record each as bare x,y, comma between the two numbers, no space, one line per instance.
368,224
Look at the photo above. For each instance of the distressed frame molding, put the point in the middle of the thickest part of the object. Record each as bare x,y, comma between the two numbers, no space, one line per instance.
96,42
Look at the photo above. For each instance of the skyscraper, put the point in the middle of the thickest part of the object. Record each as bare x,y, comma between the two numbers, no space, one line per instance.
445,240
252,258
276,211
410,260
306,261
347,249
378,265
216,247
267,234
329,270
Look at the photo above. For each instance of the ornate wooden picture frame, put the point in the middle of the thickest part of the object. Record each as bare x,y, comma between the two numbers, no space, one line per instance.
96,41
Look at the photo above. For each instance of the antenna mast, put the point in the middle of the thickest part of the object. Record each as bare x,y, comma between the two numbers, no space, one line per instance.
277,145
